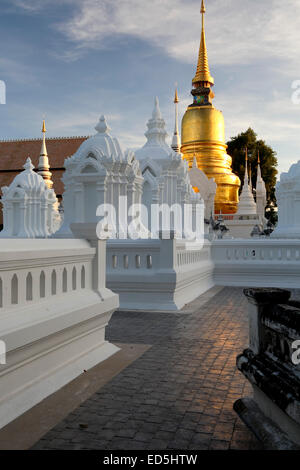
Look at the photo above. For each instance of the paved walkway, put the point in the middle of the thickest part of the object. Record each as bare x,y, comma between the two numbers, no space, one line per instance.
179,394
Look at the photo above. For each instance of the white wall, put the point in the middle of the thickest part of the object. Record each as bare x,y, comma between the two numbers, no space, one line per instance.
52,317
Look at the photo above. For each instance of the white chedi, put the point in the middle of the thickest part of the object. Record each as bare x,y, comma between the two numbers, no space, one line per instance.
29,207
288,201
247,205
100,173
166,175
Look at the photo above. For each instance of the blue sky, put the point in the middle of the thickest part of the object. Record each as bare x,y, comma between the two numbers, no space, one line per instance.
73,60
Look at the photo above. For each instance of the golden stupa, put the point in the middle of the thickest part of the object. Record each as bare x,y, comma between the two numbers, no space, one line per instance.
203,135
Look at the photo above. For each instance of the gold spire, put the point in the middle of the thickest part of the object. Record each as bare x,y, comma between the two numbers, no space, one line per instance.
203,73
258,158
176,144
44,127
176,99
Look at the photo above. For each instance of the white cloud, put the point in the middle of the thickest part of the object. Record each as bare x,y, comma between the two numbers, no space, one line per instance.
261,33
32,6
238,32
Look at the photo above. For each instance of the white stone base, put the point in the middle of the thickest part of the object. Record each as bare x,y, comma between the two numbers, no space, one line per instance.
51,345
177,274
241,228
164,296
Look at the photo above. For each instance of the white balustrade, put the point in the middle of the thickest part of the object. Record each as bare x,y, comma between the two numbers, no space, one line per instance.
257,262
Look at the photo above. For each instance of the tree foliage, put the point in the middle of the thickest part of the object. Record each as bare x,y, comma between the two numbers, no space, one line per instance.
236,149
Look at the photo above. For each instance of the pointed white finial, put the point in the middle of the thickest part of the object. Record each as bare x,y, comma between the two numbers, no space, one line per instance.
156,132
156,111
102,126
195,164
28,165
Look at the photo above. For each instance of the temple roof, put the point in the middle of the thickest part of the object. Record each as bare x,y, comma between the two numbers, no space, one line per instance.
13,153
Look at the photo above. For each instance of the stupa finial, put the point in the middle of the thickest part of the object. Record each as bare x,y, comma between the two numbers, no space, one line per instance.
203,73
28,165
176,138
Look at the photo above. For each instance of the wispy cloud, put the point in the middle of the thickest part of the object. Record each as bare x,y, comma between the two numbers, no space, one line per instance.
255,31
255,41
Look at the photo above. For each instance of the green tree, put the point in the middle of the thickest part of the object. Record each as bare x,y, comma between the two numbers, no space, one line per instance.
236,149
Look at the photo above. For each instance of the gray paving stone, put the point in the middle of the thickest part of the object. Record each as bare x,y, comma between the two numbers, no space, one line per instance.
179,394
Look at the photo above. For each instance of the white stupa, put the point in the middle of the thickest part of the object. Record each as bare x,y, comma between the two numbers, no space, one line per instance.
250,216
166,175
43,165
247,205
29,206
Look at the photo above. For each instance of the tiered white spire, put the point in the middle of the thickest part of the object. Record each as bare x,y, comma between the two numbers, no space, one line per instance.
156,133
176,138
247,204
43,166
261,192
156,147
260,184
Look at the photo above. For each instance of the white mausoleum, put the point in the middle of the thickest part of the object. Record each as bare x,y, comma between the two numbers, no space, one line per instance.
100,173
288,200
30,208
